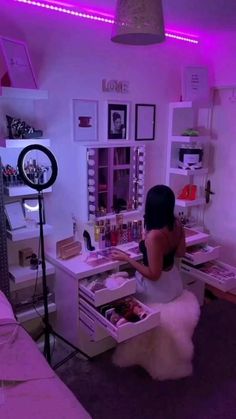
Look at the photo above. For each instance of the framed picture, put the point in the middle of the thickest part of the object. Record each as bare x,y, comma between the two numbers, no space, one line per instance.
15,215
145,121
31,210
195,84
117,117
19,69
85,120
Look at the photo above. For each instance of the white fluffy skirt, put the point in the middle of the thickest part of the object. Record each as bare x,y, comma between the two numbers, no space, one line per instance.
166,351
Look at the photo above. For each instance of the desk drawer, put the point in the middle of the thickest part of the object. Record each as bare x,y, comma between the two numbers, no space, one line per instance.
201,253
216,273
91,327
106,295
126,330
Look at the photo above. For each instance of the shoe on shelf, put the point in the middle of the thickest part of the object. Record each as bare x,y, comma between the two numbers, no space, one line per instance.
18,129
189,193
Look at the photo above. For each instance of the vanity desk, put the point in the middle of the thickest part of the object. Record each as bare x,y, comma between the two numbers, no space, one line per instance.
79,318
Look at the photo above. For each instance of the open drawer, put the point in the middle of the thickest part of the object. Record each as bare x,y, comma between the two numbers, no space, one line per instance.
102,296
91,327
124,331
201,253
216,273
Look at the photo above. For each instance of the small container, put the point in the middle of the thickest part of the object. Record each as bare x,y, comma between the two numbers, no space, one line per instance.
96,231
135,230
190,157
114,236
102,238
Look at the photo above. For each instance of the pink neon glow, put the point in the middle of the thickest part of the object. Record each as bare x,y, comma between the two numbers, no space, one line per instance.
95,17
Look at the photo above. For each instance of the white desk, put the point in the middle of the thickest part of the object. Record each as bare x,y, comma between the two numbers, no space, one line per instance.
68,274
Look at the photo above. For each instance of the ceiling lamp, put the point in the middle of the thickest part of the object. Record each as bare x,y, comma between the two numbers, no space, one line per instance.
138,22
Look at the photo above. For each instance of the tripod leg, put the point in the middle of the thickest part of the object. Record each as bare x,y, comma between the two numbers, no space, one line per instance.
77,350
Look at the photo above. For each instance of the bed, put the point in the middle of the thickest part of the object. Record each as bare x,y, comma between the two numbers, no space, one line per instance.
29,387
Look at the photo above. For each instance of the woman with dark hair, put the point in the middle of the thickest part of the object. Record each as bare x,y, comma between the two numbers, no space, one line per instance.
158,279
165,351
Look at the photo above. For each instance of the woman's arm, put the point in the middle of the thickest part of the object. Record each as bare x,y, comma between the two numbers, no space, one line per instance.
155,258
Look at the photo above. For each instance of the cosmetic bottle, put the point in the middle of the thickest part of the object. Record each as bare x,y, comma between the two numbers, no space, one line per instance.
140,230
96,231
107,234
114,240
129,231
135,230
102,237
124,233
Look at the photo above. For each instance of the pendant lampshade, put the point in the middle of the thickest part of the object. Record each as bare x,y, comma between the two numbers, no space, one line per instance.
138,22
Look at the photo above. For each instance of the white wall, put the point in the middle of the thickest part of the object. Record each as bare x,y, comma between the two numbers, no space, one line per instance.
71,56
220,214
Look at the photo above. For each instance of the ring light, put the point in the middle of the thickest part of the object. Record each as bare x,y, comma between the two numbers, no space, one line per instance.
36,179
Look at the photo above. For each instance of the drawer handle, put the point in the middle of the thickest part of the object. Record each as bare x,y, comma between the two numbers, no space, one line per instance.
191,283
185,269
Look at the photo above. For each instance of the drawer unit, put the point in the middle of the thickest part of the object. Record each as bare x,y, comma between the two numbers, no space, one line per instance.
193,237
201,253
215,273
196,286
91,327
106,295
124,331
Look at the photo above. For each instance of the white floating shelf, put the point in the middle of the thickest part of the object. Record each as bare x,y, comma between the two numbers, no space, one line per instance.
19,93
9,143
22,190
31,314
189,139
188,203
182,172
27,233
187,104
24,276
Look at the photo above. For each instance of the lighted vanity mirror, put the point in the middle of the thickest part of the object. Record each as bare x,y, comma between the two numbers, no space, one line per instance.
115,180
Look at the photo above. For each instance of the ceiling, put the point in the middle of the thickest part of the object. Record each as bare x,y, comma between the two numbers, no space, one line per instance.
194,16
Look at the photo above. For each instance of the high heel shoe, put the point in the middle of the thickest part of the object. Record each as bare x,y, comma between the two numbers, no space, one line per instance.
87,240
189,192
18,129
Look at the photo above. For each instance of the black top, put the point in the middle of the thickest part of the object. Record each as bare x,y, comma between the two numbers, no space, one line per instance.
168,259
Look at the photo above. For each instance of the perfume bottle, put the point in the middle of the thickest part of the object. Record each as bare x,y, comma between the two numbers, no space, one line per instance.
96,231
114,236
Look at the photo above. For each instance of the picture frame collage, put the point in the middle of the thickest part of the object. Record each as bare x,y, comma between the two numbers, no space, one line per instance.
117,117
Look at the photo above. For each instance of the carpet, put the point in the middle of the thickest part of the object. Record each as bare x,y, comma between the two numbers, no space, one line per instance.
110,392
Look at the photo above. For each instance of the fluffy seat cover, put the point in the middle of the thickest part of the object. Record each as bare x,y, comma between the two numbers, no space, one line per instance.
166,351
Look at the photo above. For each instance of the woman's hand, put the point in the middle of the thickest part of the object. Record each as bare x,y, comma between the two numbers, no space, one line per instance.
120,255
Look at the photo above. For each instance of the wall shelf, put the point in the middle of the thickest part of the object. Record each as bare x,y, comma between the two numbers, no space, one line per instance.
31,313
19,93
189,139
187,203
19,143
22,191
27,233
182,172
24,276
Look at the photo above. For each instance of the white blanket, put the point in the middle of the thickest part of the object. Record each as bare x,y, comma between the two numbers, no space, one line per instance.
166,351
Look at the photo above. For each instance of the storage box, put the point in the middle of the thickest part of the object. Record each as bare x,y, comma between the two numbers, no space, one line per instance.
25,256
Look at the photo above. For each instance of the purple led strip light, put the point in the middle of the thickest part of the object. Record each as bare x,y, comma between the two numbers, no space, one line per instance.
97,18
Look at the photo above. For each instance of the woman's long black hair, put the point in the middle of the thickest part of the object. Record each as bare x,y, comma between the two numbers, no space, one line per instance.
159,208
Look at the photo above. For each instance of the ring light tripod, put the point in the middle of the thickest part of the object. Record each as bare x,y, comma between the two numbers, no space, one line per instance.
33,176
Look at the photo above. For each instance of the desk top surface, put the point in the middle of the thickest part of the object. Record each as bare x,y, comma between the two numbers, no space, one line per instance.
91,263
